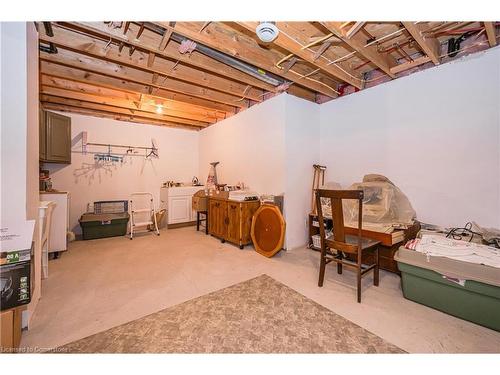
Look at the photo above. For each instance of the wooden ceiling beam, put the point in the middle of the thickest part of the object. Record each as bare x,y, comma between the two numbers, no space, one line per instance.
322,49
289,39
354,29
490,33
164,86
226,40
92,47
164,39
120,110
83,110
77,73
121,103
149,43
55,99
383,61
429,45
151,59
91,88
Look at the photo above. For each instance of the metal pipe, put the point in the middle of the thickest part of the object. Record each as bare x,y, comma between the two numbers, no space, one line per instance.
48,29
223,58
50,49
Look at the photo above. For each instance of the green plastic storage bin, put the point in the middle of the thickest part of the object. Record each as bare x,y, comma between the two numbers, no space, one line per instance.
476,302
96,226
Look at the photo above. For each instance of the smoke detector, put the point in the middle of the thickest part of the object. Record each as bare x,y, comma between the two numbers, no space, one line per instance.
267,31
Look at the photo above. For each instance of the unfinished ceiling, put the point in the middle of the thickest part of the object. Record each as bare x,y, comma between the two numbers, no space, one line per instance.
193,74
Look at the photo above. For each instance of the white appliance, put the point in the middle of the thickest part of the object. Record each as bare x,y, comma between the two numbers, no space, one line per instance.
60,220
178,203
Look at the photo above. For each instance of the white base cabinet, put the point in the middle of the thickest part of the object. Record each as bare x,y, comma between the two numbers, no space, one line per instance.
178,203
60,220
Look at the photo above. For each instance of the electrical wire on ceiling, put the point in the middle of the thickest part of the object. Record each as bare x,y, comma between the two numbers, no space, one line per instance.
364,81
322,57
445,55
343,58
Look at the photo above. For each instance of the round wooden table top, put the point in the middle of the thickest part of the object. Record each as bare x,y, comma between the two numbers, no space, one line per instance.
268,230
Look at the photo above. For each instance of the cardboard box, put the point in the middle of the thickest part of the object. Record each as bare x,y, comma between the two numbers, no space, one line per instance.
15,256
15,285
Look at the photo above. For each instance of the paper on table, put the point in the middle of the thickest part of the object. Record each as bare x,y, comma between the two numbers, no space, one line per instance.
16,236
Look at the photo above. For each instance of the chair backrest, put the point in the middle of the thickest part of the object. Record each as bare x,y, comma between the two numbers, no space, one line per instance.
336,197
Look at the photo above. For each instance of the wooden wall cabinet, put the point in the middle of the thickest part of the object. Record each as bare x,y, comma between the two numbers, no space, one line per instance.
55,138
231,220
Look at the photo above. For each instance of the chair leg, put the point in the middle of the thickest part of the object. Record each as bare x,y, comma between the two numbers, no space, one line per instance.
206,222
359,285
197,221
322,267
376,269
339,265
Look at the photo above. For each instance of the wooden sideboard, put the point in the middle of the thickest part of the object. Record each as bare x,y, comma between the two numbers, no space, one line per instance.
231,220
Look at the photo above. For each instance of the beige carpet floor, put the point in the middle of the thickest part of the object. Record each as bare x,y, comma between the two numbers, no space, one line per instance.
260,315
100,284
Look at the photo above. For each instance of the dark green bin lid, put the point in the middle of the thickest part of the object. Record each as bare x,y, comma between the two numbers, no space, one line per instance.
100,219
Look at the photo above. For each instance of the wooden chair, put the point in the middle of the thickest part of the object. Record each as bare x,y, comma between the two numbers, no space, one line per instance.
200,219
344,243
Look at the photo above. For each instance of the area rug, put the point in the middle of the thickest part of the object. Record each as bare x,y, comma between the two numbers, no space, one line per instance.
260,315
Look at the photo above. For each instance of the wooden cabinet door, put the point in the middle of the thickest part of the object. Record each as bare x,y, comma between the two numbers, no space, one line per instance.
212,214
217,211
233,222
42,134
214,217
58,139
247,211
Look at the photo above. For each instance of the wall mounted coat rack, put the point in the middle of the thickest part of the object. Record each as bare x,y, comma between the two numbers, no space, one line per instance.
127,150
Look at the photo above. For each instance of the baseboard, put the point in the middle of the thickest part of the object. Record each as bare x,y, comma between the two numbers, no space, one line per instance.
181,225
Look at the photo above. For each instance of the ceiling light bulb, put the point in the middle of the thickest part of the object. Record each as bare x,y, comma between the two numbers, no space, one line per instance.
267,31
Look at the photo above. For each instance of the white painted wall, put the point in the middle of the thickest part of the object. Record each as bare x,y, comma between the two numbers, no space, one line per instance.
436,134
178,161
271,148
249,146
302,151
14,121
19,134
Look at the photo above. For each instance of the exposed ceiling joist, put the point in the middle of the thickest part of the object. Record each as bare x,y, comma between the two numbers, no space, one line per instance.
324,46
289,39
228,41
193,74
109,112
87,46
149,43
490,32
164,40
130,105
383,61
94,89
429,45
354,29
125,77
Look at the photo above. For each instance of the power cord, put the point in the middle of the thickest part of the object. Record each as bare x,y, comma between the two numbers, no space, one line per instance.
465,231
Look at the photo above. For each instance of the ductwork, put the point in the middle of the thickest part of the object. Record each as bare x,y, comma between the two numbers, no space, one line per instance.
249,69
